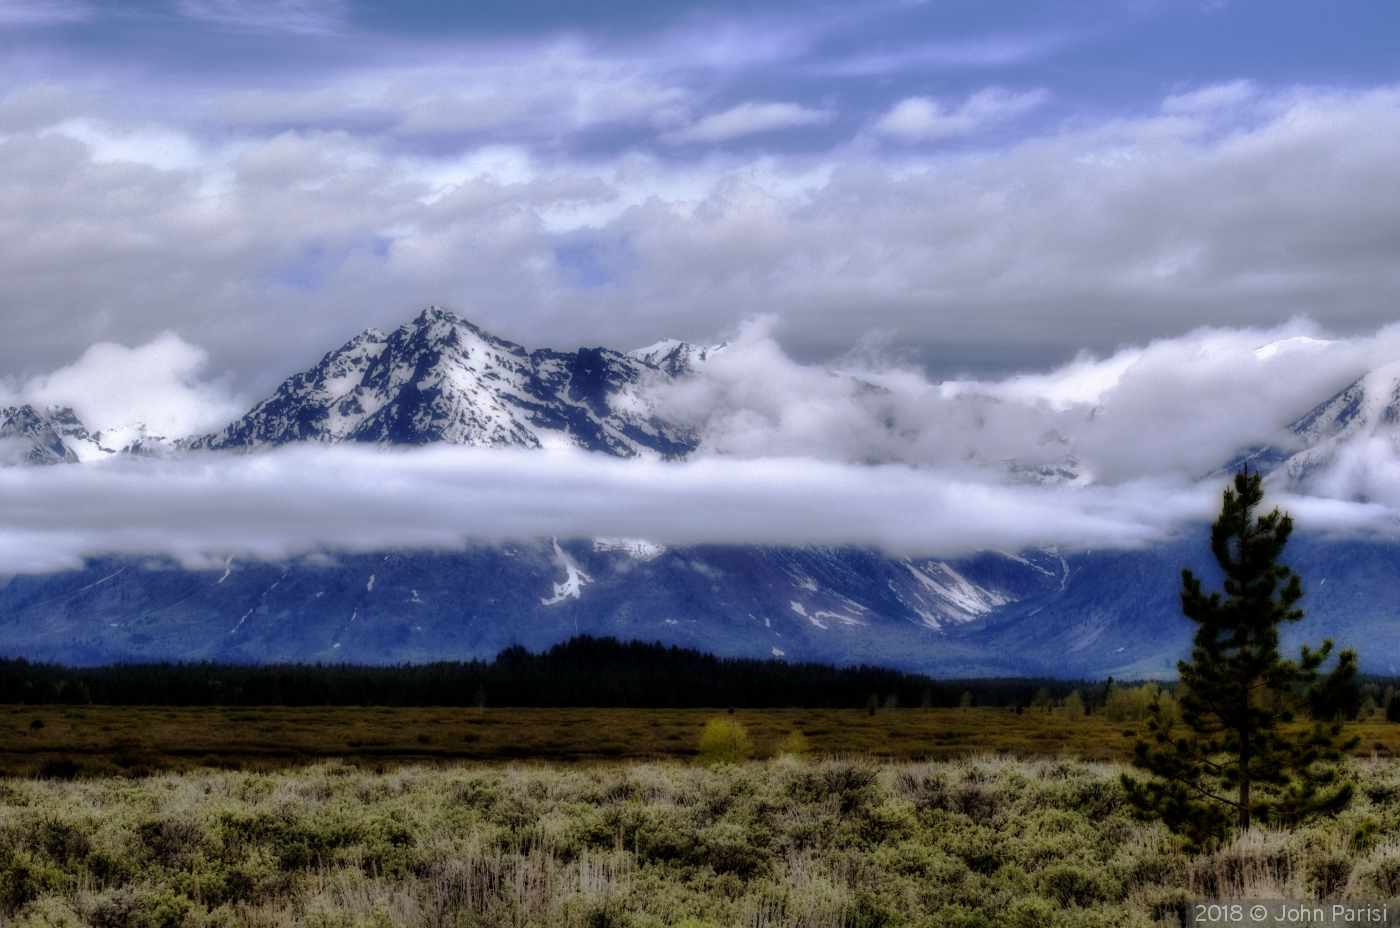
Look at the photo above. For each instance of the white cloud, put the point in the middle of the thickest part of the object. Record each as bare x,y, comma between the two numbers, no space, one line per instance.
539,91
269,246
746,119
298,17
1176,408
157,385
1212,99
925,119
42,12
203,508
154,146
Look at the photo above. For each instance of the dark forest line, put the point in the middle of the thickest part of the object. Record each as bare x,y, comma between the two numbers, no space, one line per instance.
584,672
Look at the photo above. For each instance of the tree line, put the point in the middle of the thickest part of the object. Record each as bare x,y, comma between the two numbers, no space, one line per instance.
582,672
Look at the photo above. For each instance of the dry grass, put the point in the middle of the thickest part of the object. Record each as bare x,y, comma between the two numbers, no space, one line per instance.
101,740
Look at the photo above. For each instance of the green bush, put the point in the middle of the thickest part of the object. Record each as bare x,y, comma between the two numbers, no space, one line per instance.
796,745
724,741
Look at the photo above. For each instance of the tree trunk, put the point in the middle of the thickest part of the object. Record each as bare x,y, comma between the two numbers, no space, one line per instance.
1244,767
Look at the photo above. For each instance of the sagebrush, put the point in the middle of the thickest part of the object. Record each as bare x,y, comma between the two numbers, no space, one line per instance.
786,842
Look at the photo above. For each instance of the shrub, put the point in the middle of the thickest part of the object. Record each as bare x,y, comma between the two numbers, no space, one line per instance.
724,741
796,745
976,843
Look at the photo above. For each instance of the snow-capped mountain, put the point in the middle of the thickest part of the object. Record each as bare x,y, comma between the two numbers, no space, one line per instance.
1365,413
1088,614
439,378
58,436
1344,448
34,437
673,356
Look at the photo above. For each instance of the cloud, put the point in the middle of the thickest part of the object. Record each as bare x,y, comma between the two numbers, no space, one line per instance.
295,17
1177,408
746,119
157,385
204,508
42,12
1212,98
268,245
921,119
538,91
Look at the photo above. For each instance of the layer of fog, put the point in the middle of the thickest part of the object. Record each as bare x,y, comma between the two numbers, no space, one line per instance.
204,508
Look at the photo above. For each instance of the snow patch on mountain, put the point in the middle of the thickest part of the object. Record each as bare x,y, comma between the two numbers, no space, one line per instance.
955,597
574,578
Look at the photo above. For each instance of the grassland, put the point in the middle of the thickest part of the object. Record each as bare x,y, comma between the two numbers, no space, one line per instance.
100,740
784,843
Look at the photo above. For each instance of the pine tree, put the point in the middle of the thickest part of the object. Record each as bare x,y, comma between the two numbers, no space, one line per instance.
1245,756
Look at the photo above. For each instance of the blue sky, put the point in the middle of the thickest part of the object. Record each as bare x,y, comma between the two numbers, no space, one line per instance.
981,186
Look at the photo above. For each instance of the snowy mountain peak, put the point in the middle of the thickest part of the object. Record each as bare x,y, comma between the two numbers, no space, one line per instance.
1369,403
58,436
1366,412
673,356
440,378
33,437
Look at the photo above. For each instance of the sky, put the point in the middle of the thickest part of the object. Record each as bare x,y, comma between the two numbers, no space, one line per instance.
199,198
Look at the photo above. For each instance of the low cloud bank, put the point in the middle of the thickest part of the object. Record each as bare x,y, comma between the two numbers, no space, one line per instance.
203,508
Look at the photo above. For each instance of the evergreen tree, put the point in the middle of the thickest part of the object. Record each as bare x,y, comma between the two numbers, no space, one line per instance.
1242,753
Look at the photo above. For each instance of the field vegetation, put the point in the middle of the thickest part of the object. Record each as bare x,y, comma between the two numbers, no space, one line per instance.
67,741
979,841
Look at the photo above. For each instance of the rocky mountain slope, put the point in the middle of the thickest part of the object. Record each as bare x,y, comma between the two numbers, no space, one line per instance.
439,378
31,437
1090,614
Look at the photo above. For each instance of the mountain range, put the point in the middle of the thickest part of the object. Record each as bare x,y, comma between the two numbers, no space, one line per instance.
440,379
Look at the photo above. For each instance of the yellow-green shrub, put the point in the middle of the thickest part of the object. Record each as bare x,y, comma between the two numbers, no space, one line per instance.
724,741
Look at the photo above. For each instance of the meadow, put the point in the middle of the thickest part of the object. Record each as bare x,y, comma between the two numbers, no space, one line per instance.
594,818
792,842
127,740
